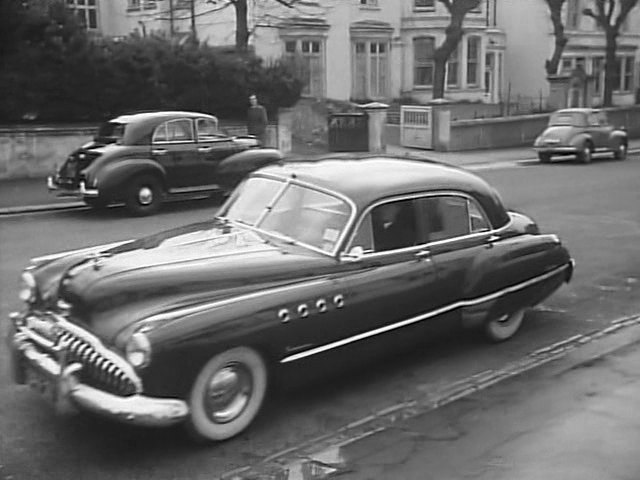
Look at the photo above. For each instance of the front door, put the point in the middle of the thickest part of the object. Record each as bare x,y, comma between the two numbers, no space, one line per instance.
174,148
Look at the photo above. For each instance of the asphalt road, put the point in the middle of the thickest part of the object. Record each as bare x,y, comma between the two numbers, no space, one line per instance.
594,209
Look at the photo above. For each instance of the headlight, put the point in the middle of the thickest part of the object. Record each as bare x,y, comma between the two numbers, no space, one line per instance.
28,290
138,350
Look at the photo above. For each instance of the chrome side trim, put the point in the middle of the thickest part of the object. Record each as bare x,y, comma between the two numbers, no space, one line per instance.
424,316
200,188
182,312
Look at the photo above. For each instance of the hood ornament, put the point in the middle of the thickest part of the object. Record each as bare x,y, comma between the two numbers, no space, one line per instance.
96,259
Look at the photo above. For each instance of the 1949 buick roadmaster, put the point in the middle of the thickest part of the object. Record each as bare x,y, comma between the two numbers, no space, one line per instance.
304,262
141,158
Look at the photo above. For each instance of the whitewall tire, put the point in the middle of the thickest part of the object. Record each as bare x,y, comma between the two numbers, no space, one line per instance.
504,327
227,394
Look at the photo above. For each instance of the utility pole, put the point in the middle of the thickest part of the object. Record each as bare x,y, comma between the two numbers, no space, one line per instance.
171,26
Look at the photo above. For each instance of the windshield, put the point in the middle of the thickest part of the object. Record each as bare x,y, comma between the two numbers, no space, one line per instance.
567,118
111,132
295,212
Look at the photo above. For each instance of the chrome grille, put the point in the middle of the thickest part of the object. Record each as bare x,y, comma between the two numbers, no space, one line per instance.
97,371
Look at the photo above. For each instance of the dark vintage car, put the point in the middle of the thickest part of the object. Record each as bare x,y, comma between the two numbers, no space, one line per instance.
307,263
139,159
581,132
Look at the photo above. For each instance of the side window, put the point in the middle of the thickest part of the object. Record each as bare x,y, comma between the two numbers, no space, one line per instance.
444,217
160,135
393,225
593,120
180,130
602,118
207,129
477,220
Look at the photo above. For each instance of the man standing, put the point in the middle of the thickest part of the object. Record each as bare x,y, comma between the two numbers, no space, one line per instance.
257,120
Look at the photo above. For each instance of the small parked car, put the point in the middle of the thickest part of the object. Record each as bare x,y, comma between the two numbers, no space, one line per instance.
308,264
142,158
580,132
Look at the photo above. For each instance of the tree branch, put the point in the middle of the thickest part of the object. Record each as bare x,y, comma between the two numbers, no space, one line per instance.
446,3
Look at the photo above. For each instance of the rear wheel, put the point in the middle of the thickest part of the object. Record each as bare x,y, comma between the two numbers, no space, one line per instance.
544,157
144,195
586,154
504,327
620,153
227,394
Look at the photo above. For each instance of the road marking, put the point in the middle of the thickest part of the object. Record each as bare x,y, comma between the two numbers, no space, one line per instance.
296,459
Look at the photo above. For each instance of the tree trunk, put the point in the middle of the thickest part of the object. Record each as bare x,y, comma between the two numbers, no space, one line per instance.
443,52
611,72
555,9
242,27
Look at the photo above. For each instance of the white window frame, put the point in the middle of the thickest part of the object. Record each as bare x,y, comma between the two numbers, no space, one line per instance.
429,63
477,61
300,55
424,5
83,9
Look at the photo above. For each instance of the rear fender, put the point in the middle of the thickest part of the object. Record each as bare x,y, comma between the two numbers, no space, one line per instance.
113,178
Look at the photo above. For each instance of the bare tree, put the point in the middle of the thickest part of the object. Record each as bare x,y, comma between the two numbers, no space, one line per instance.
555,9
241,8
458,9
605,16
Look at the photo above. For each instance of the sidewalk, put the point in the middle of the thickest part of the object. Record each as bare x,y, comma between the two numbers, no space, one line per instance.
575,417
30,194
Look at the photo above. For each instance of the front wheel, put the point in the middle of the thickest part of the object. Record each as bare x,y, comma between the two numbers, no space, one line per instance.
620,153
586,154
144,195
227,394
544,157
504,327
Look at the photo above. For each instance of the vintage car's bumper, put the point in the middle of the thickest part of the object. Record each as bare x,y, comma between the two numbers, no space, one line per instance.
46,367
63,191
556,149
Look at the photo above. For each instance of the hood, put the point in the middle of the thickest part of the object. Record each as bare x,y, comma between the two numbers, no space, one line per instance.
114,288
558,133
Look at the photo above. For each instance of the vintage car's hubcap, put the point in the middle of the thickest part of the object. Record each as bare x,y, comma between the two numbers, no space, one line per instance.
228,393
145,196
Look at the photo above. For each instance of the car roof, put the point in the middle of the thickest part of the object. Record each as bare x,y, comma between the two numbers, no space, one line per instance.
578,110
368,179
158,116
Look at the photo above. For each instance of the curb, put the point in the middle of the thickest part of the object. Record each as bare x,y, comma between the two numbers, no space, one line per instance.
41,208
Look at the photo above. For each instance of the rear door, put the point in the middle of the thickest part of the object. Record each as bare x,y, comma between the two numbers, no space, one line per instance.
213,147
174,147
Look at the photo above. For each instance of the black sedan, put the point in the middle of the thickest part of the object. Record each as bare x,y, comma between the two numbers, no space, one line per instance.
305,263
143,158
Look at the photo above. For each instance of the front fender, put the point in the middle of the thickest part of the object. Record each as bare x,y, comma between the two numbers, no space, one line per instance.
112,179
237,166
617,137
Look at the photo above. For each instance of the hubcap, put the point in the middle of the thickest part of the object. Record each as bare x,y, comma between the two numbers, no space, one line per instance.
228,393
145,196
623,150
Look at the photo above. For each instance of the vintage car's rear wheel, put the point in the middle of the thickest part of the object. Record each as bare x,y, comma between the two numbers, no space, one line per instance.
504,327
620,153
144,195
227,394
585,155
544,157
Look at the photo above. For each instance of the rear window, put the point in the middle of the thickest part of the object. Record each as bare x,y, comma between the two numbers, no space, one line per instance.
568,118
110,132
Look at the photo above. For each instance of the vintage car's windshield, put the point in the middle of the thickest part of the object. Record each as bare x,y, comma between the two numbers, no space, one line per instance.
111,132
290,210
567,119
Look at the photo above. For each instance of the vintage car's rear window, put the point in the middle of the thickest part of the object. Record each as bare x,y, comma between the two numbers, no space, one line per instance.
111,132
313,217
568,118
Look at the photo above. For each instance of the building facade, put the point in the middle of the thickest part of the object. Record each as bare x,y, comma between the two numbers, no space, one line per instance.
529,29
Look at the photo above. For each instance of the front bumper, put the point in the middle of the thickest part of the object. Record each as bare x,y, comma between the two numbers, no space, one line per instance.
62,385
62,191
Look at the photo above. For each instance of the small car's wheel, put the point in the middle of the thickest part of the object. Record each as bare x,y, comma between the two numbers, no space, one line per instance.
144,195
544,157
586,154
96,203
227,394
620,153
504,327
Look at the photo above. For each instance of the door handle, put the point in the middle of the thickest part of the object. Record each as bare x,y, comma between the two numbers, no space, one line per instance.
159,151
205,149
491,239
423,254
